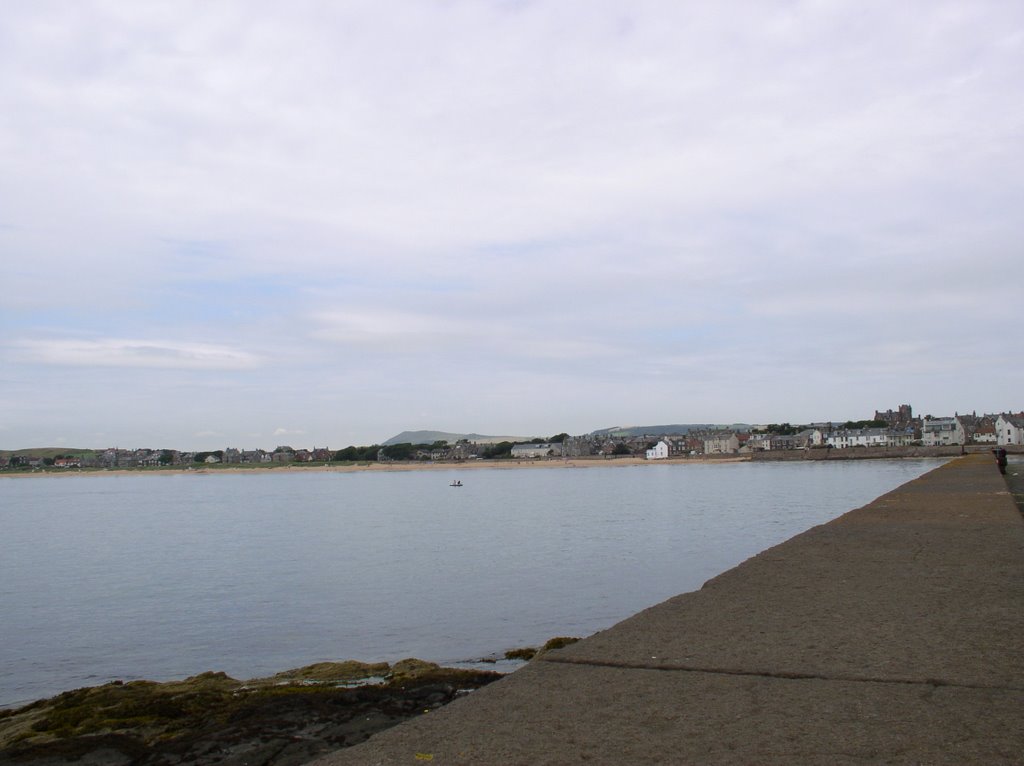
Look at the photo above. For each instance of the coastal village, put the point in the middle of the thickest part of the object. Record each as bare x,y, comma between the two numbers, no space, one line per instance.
897,428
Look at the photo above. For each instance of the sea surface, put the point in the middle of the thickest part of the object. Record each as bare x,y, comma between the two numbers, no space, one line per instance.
168,575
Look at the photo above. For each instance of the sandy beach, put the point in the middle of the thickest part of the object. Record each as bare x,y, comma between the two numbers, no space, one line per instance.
882,453
469,465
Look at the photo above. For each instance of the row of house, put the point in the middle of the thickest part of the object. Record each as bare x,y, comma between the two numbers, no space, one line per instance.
115,457
538,450
1003,430
902,429
709,443
234,456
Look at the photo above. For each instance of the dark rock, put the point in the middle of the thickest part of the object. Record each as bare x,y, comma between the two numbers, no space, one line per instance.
212,719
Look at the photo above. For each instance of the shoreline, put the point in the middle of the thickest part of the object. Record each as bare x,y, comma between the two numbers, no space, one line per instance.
289,718
794,456
394,467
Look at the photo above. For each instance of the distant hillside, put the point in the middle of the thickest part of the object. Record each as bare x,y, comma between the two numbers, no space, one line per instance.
675,428
44,452
429,437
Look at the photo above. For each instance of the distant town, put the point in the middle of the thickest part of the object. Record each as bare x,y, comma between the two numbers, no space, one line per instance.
888,429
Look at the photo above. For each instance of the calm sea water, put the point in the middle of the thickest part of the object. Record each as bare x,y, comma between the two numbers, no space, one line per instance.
166,576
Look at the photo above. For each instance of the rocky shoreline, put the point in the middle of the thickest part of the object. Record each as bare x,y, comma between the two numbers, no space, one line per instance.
289,718
211,718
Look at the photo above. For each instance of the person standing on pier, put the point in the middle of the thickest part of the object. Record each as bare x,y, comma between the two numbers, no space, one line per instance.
1001,459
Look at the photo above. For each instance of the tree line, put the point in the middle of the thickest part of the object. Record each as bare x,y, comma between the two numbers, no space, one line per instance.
410,451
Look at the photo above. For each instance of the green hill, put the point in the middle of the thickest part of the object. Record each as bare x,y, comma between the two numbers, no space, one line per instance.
429,437
45,452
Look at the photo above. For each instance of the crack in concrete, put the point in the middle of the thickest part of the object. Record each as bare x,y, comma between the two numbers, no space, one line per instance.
783,675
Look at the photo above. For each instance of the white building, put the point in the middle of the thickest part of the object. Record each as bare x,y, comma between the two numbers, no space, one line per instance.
858,437
867,437
547,449
985,433
813,437
901,438
1010,429
940,432
658,452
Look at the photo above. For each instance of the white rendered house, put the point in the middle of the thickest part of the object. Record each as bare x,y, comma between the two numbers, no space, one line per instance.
940,432
658,452
1009,429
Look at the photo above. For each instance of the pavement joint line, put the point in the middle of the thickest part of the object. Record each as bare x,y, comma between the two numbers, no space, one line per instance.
785,676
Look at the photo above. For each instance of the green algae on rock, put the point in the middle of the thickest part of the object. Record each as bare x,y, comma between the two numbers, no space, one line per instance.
528,652
303,712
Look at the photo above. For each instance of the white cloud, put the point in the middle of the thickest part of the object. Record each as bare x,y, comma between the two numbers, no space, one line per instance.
435,127
394,328
395,201
504,338
137,353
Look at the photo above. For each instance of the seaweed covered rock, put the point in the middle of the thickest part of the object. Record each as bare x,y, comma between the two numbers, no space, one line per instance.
288,718
329,672
558,642
528,652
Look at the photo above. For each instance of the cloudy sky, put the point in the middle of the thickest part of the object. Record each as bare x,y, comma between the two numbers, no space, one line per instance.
242,223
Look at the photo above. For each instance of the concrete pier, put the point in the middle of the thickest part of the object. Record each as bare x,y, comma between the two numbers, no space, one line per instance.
894,634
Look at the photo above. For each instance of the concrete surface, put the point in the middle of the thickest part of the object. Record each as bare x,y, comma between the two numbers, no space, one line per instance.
894,634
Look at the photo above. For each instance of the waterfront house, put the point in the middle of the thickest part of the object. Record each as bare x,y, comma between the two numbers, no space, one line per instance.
464,450
150,459
770,441
658,452
902,437
759,443
777,442
545,449
811,437
725,443
845,438
667,449
985,432
941,432
1010,429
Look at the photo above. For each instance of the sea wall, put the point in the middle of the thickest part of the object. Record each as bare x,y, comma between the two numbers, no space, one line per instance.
893,634
878,453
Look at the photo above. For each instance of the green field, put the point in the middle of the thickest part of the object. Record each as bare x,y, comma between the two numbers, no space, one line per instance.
44,452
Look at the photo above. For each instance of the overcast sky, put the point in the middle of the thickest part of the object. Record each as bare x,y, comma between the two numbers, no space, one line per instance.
321,223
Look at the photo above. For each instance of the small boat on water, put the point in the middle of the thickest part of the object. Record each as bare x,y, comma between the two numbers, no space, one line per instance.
455,483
